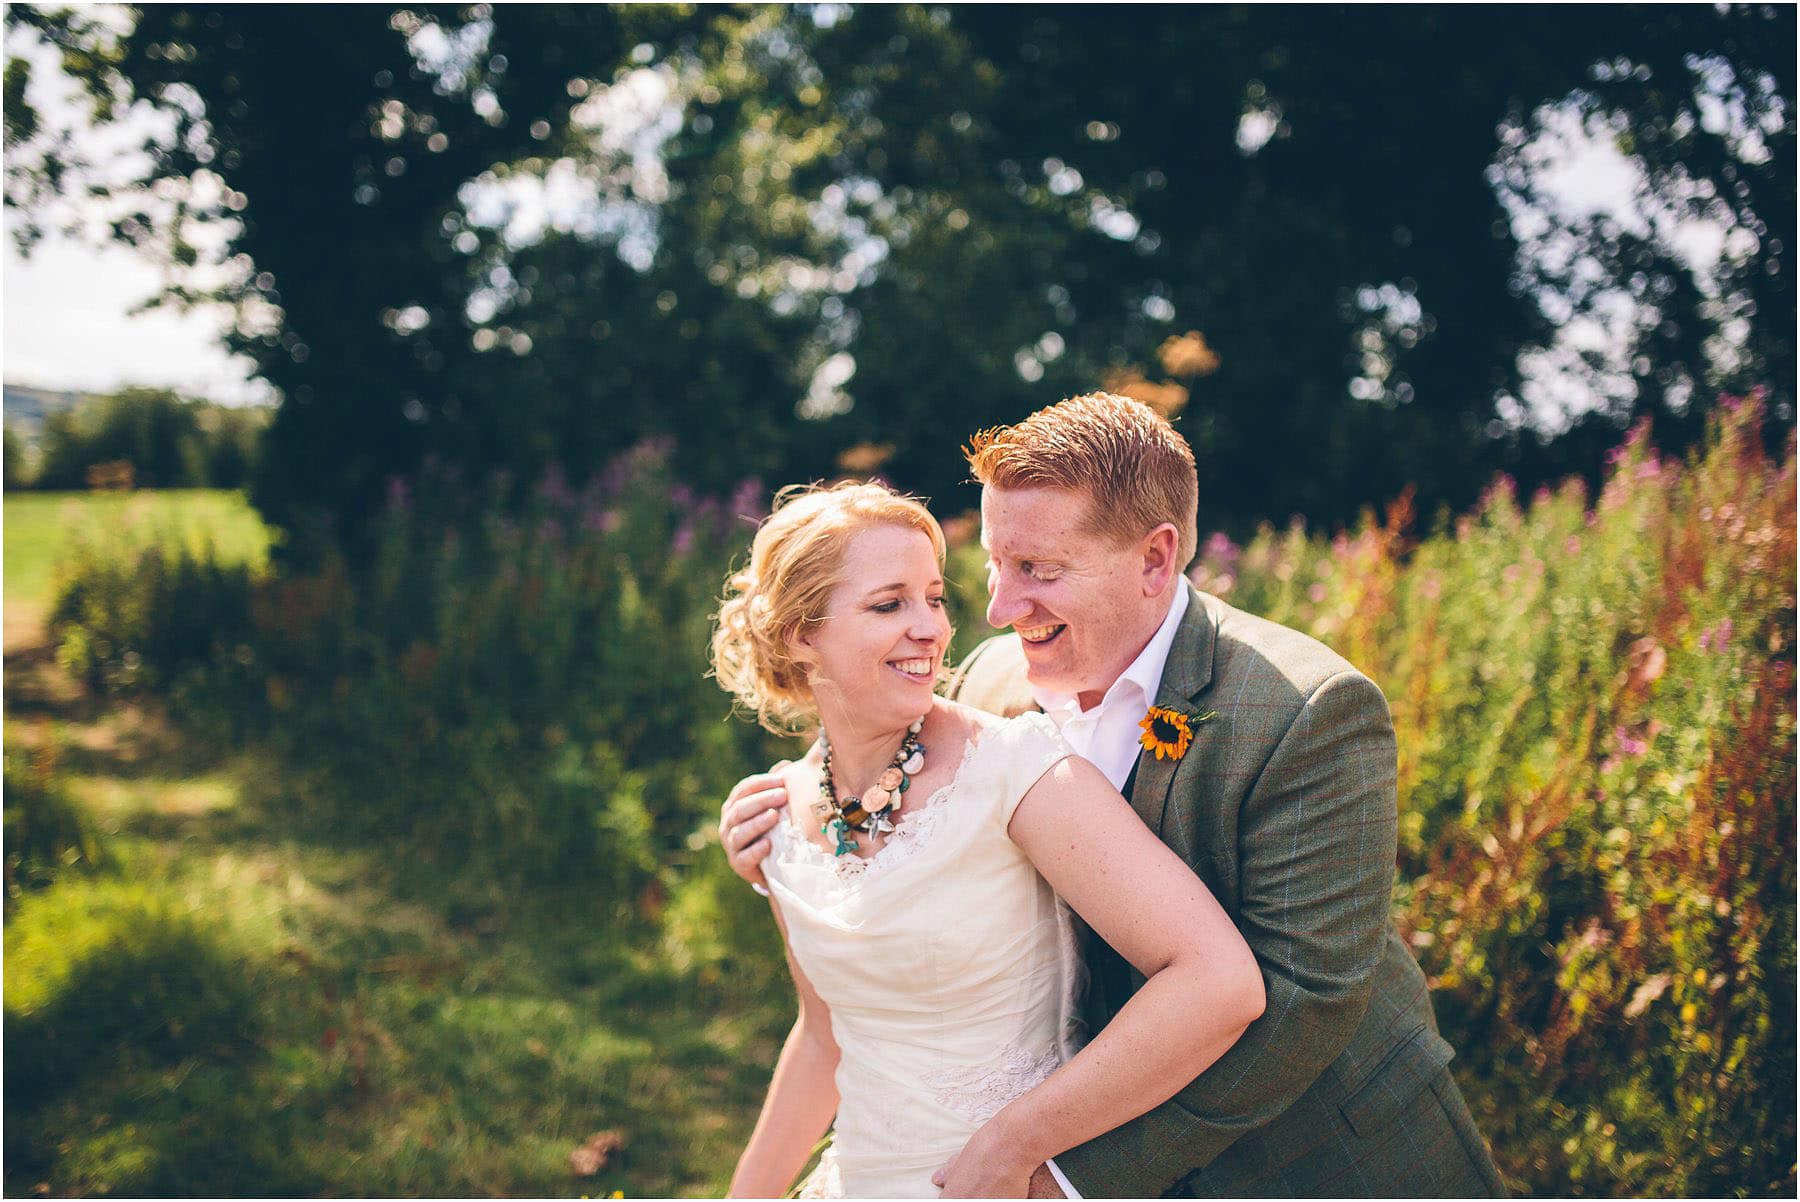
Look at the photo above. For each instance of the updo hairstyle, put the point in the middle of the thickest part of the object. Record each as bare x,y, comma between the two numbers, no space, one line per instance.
796,560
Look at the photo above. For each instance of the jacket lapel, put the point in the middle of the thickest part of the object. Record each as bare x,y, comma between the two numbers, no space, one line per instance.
1186,675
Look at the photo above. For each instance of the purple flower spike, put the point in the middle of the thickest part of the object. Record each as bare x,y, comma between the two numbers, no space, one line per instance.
746,498
555,487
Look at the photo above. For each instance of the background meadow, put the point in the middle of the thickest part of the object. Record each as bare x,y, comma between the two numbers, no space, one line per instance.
421,879
359,820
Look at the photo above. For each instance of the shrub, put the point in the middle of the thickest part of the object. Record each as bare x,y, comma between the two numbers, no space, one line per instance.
47,833
1595,712
519,691
1593,698
151,438
131,615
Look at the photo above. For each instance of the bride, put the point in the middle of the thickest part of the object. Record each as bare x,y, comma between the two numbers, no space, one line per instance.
918,895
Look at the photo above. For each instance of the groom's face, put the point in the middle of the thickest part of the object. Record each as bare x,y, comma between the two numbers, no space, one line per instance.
1076,598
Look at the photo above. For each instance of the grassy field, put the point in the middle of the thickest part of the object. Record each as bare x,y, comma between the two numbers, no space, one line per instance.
232,1003
40,526
256,971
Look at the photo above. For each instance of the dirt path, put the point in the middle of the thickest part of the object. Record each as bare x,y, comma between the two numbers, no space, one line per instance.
24,626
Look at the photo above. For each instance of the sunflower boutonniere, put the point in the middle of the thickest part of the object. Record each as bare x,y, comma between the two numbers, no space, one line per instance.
1169,732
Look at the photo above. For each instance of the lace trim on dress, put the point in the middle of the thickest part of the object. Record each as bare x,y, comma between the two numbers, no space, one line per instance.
978,1092
825,1181
910,834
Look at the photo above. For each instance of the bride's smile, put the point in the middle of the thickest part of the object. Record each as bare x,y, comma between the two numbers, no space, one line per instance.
874,659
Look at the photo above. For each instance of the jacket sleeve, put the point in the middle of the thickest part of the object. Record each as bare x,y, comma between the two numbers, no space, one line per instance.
1316,861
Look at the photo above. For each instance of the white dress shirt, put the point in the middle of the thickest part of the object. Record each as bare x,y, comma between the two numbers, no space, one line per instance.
1107,735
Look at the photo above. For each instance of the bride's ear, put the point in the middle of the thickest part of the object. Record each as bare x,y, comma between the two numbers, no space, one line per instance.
800,645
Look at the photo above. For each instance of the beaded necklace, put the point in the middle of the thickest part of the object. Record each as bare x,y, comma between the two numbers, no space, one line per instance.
870,813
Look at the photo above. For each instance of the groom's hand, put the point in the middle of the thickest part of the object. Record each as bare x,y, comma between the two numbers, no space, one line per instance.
745,820
987,1167
1043,1184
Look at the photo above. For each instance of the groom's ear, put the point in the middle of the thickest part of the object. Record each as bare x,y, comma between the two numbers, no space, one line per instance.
1160,547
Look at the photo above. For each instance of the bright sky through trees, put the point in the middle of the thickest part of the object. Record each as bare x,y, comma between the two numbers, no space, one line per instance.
69,322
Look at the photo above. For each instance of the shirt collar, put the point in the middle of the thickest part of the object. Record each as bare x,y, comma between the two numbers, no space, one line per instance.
1144,674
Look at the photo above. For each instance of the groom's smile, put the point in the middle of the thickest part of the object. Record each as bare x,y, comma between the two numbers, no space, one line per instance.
1075,597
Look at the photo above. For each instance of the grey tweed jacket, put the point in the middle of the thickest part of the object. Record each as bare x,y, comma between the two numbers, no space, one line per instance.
1285,806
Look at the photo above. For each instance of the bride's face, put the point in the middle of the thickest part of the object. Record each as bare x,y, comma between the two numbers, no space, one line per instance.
877,654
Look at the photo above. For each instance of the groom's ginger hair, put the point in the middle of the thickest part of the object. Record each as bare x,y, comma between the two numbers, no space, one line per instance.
1135,470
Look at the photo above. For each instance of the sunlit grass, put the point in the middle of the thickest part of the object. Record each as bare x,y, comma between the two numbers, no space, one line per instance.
244,1006
1593,700
40,526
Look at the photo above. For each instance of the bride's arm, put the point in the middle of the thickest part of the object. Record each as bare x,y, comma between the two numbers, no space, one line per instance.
1202,984
802,1096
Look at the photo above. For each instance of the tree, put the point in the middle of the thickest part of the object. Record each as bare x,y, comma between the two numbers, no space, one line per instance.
15,471
913,222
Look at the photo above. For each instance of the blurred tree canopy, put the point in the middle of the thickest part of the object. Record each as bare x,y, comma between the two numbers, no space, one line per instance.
523,235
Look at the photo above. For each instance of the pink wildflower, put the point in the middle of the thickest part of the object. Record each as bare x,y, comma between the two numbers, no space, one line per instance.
1220,547
746,499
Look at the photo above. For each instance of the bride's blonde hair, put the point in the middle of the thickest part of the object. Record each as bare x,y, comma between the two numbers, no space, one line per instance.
796,560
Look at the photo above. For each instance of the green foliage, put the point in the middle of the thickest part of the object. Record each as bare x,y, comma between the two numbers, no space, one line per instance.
124,621
110,973
47,833
714,923
875,209
15,472
524,692
1595,713
238,1007
169,442
43,528
1594,704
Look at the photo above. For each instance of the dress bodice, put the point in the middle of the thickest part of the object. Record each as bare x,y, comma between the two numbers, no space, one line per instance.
948,965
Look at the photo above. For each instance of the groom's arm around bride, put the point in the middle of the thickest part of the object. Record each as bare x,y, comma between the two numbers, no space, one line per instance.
1285,806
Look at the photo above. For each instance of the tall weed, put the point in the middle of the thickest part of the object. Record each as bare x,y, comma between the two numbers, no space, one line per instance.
1595,712
1594,698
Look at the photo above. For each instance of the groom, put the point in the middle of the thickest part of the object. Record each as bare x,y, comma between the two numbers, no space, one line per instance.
1281,797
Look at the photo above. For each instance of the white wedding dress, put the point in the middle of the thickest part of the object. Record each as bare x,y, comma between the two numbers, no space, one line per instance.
949,966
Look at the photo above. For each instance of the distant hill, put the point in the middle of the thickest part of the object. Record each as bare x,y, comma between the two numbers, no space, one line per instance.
27,407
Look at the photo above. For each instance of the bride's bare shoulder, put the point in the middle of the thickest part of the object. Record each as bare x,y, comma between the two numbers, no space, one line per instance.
964,722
